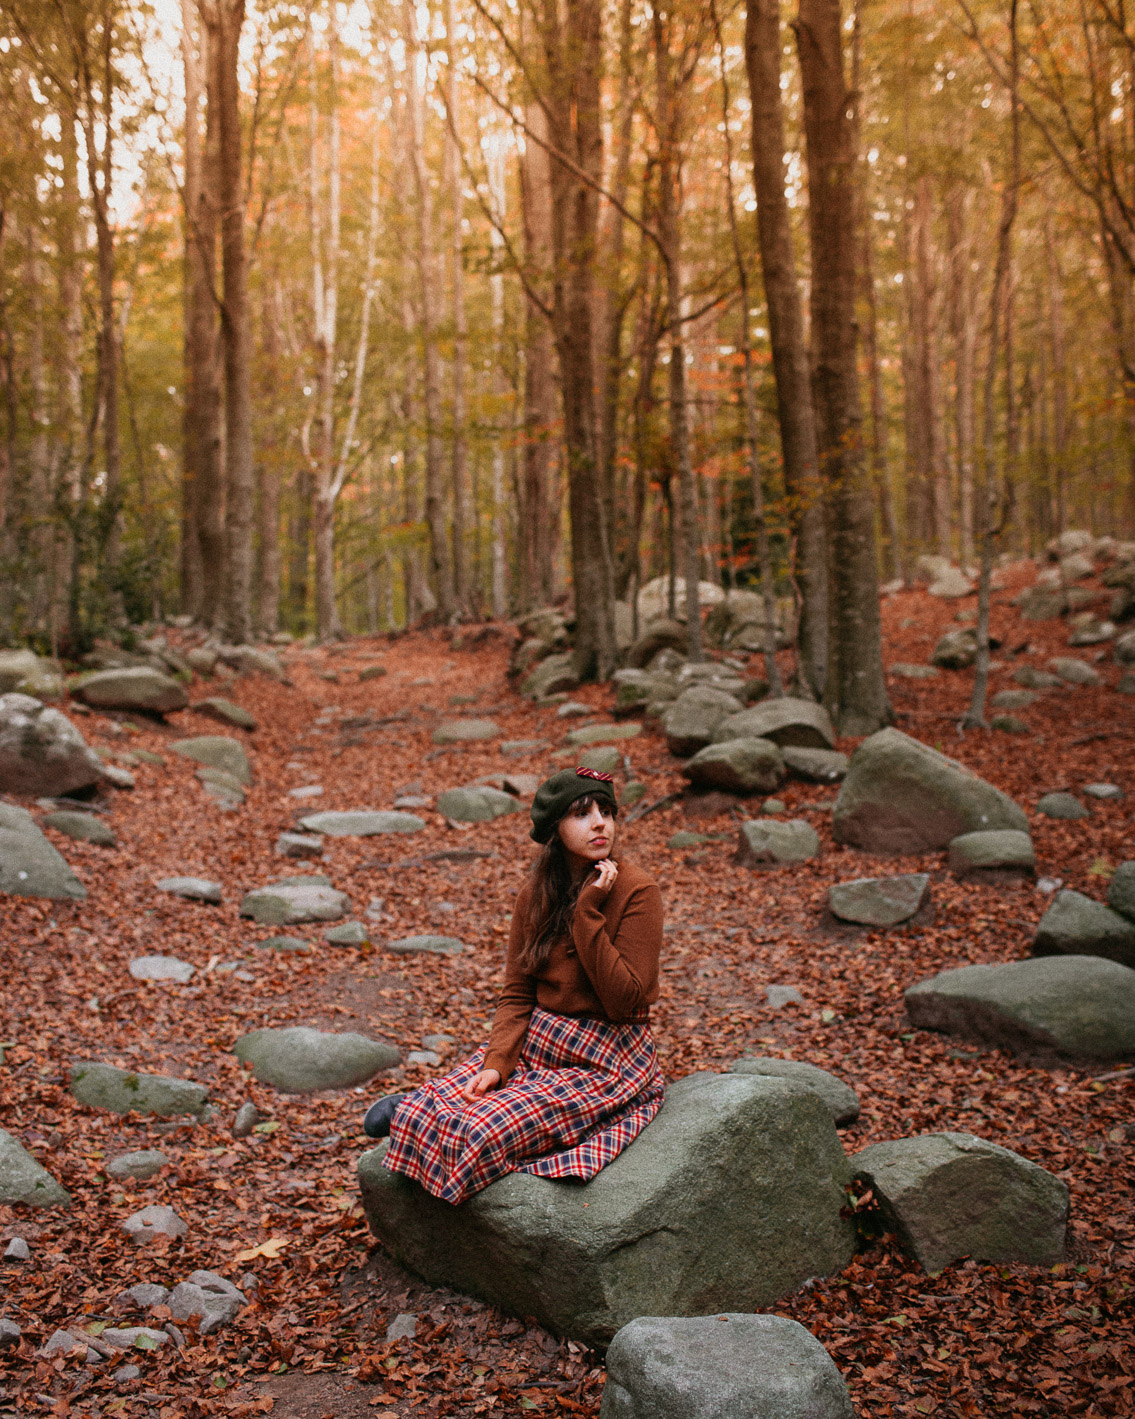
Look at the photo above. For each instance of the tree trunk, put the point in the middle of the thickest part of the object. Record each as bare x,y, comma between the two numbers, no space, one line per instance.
500,394
538,532
669,223
441,563
963,332
460,464
855,690
71,493
572,40
223,20
795,409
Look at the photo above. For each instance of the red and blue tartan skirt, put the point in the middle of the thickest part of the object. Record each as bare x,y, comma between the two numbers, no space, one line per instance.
581,1091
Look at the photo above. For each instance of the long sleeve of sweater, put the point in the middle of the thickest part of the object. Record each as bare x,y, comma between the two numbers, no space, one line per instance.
516,1002
623,971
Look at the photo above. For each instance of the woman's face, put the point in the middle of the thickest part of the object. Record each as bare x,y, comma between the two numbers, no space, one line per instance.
588,832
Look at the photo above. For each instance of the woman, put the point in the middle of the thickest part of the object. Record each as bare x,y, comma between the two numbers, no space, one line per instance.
569,1075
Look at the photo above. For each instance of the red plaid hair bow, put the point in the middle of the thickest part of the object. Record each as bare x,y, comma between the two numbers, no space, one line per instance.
595,774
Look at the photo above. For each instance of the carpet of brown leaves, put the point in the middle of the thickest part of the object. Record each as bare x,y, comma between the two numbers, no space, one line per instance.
975,1339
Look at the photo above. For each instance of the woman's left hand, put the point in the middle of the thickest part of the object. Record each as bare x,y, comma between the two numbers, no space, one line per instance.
605,880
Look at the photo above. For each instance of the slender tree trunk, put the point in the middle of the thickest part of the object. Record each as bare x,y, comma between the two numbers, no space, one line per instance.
500,392
460,463
70,493
669,223
538,533
572,41
1058,343
441,563
795,408
993,502
963,332
223,20
855,690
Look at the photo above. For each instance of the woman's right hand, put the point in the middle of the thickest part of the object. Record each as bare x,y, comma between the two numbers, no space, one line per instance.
480,1084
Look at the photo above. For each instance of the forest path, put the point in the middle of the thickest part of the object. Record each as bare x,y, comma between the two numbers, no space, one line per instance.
326,1298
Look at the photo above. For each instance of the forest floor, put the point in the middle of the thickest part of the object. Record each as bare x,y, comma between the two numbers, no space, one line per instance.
974,1339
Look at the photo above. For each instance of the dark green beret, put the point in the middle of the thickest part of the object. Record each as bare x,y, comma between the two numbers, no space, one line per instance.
556,795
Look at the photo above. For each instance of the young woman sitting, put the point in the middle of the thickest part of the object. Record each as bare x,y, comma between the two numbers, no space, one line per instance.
569,1075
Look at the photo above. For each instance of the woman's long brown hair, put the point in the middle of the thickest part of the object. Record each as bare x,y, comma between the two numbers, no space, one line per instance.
552,895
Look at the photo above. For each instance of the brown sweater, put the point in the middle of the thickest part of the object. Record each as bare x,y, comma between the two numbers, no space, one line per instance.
607,969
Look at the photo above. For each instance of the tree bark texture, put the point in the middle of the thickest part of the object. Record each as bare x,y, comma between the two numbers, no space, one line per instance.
795,409
855,690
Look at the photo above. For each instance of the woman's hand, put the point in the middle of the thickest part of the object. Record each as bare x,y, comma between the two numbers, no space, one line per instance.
605,879
480,1084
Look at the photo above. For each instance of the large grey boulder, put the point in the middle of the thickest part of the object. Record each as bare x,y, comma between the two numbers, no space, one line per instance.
728,1366
768,843
786,721
737,766
293,900
466,731
26,673
729,1200
901,796
82,827
998,850
950,1195
479,804
879,901
815,765
1080,1006
300,1060
362,823
1075,925
23,1180
840,1099
658,634
29,865
690,721
42,754
135,688
102,1086
216,751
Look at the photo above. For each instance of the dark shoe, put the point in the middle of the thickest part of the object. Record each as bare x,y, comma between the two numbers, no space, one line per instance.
376,1123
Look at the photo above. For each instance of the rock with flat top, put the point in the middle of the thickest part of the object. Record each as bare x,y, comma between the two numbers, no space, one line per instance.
730,1199
1076,1006
217,707
140,1165
815,765
1062,805
1073,671
135,688
82,827
149,1223
728,1366
737,766
879,901
193,889
216,751
162,968
466,731
292,901
211,1298
1076,925
1000,850
690,721
786,721
775,844
361,823
839,1098
103,1086
950,1195
475,805
431,945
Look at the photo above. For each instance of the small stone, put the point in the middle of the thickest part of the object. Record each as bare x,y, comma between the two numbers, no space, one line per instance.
102,1086
125,1373
350,933
150,1222
161,968
194,889
135,1337
1073,671
285,943
290,903
10,1334
83,827
225,711
572,709
815,765
437,1042
684,838
143,1297
307,790
957,650
1014,699
403,1327
25,1181
208,1296
777,996
602,733
17,1250
361,823
216,751
879,901
438,945
773,806
604,759
761,843
914,672
1105,792
143,1164
1062,805
300,1060
62,1342
423,1056
1121,890
1008,724
371,672
1034,679
465,731
479,804
1001,849
299,845
247,1117
633,792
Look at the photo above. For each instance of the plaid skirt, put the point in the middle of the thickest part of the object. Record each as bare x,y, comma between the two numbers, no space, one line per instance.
582,1090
